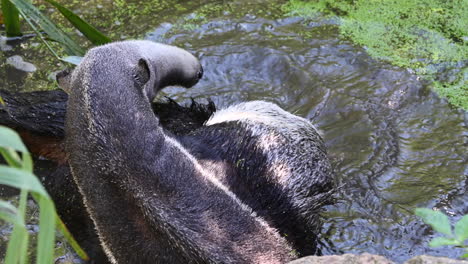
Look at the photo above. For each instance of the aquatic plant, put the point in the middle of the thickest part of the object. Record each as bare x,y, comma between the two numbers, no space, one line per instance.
19,174
11,19
38,21
440,223
427,36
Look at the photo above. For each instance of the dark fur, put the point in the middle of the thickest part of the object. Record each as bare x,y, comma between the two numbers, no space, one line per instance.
247,175
150,201
42,113
244,169
39,117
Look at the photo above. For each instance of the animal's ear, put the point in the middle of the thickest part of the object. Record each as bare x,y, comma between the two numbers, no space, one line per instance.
142,74
64,80
145,78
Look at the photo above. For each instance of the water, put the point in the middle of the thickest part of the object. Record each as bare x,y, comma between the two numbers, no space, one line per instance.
394,144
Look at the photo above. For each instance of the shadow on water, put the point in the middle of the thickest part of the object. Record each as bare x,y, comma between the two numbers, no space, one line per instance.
394,144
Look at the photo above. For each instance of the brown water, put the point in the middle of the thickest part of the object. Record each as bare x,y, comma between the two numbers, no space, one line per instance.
394,144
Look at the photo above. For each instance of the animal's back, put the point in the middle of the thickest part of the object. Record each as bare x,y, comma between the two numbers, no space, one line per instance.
150,199
274,161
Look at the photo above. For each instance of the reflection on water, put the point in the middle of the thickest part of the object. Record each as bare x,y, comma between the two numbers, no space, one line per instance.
394,144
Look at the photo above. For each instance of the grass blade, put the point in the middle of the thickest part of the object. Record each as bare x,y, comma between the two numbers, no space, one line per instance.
39,33
10,139
75,60
11,157
94,35
27,162
17,250
8,212
70,239
11,19
31,13
46,238
21,179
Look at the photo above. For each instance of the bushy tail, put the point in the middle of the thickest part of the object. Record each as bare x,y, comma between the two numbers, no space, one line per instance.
39,113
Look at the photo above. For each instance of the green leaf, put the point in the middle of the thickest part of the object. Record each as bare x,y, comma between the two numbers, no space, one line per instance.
21,179
10,139
461,229
8,212
464,255
27,162
442,241
31,13
11,19
39,33
72,59
94,35
436,219
70,239
17,250
46,238
18,244
11,157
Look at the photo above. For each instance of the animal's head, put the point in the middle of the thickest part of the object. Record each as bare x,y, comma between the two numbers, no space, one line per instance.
141,64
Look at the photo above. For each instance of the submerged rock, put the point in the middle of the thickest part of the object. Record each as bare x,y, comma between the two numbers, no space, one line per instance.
424,259
372,259
3,44
343,259
18,62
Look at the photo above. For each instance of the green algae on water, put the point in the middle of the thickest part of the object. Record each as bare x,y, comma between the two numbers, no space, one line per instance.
427,36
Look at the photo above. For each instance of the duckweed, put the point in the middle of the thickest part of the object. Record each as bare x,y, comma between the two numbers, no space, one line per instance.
427,36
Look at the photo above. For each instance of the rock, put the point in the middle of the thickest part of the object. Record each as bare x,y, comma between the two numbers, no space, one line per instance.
434,260
343,259
18,62
3,44
372,259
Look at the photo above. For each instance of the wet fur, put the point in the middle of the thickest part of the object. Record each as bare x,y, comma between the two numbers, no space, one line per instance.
39,117
150,199
281,171
273,161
